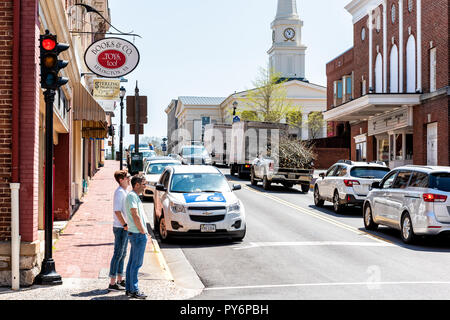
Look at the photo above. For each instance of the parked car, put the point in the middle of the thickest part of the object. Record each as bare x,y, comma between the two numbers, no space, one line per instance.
347,183
197,201
195,154
412,199
174,156
147,155
153,170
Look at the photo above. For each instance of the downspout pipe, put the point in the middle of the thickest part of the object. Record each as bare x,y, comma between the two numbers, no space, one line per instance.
15,185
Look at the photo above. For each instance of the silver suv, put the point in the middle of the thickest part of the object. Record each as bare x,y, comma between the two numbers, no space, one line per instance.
347,183
412,199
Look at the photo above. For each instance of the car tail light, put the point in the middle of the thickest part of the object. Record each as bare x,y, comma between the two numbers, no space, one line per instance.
351,183
247,166
431,197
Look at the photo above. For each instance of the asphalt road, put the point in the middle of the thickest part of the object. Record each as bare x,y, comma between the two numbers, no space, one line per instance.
294,250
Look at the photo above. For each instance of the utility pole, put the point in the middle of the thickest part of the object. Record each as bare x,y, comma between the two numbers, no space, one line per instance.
136,119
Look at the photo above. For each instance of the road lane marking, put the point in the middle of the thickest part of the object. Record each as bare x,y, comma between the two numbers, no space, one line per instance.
331,284
252,245
317,215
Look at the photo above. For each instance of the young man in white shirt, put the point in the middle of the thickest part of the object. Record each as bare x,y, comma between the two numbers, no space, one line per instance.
120,229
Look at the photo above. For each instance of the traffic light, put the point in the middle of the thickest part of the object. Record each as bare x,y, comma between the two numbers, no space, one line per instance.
50,65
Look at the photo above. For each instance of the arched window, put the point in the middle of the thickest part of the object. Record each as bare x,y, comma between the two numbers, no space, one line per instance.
394,70
411,65
379,74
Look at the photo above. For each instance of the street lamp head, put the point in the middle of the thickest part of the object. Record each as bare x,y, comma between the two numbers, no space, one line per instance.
123,92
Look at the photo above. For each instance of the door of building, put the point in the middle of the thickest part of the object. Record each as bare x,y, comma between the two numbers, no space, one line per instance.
432,144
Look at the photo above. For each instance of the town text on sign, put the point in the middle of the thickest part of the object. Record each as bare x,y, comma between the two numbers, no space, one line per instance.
112,57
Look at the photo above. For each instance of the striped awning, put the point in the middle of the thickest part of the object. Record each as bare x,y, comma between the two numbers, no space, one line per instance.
85,107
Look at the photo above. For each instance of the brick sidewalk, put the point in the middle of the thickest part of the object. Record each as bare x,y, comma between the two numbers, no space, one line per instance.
86,245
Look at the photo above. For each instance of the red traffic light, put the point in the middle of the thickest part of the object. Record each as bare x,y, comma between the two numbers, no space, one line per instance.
48,44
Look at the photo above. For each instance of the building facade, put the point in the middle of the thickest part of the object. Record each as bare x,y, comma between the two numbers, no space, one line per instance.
392,87
79,124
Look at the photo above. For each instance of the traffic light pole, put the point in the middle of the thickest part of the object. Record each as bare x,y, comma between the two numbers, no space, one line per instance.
121,133
136,121
48,275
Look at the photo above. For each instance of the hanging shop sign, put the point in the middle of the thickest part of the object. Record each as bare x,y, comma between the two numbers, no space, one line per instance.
112,57
106,89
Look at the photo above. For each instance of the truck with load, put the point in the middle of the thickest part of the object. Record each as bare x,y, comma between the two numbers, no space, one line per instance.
264,151
218,141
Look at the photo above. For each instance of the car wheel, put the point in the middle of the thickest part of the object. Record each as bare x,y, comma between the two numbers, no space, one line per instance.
406,231
337,206
252,179
232,171
266,183
241,175
305,188
369,224
317,200
163,229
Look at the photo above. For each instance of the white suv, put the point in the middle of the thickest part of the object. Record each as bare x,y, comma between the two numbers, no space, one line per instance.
412,199
347,183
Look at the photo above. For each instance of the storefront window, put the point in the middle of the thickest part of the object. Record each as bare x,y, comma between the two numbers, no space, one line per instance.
361,154
409,147
391,149
383,150
399,147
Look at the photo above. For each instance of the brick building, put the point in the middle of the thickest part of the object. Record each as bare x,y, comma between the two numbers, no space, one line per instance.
392,86
79,124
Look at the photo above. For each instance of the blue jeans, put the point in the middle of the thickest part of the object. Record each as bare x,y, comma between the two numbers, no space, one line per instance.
120,252
138,243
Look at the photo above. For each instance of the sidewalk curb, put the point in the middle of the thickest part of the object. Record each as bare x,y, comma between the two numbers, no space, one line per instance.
161,260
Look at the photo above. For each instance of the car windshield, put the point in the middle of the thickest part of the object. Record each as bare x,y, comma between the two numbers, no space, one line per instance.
194,152
149,154
158,168
440,181
369,172
199,182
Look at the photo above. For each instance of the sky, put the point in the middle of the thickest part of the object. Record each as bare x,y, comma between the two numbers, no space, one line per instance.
216,47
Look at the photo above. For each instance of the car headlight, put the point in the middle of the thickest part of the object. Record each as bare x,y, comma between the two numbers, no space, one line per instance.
177,208
234,208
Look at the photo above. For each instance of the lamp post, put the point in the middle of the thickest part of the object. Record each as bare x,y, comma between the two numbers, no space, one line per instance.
235,104
122,95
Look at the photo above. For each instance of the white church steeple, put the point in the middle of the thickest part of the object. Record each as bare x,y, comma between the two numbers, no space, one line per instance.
287,54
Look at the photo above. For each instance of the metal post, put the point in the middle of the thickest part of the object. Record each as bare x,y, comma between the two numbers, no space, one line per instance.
121,133
136,120
48,275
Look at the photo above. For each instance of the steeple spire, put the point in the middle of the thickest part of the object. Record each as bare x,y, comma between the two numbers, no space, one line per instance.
287,9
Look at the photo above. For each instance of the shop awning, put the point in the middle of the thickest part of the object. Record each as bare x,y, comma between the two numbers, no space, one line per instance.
371,105
85,107
95,129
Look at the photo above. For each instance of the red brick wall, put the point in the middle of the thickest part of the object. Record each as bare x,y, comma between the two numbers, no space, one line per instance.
336,69
361,56
6,37
439,111
326,157
29,120
435,28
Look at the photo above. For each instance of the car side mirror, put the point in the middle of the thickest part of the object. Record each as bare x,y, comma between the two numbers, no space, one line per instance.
322,175
237,187
160,187
375,185
213,154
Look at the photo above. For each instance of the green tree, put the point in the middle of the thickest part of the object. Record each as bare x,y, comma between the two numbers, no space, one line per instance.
269,98
315,124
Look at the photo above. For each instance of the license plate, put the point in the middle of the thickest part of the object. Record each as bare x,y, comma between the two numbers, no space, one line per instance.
291,176
208,228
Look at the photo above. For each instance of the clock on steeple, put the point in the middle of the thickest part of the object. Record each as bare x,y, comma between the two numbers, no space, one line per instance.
287,54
